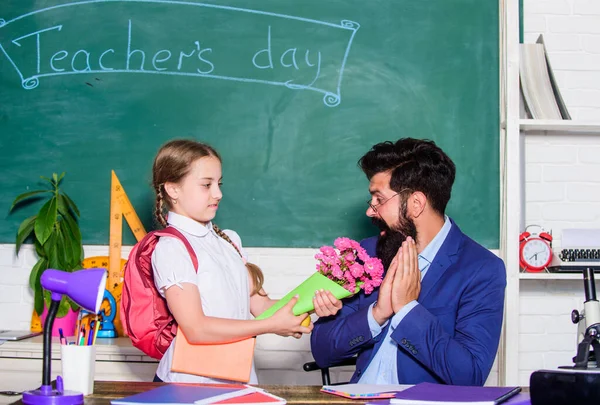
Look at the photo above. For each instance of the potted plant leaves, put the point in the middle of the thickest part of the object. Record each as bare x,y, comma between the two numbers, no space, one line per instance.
56,237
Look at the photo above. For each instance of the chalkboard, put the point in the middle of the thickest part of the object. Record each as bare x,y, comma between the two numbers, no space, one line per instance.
292,93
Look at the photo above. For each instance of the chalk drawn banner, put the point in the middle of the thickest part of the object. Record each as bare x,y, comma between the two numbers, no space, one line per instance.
210,42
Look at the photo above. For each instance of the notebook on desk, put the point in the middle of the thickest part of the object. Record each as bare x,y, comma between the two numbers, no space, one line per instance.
364,391
429,394
254,398
191,394
520,399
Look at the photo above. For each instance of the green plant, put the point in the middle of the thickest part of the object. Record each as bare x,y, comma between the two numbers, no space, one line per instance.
56,237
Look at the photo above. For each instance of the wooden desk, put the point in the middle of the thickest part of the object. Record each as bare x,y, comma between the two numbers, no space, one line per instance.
105,391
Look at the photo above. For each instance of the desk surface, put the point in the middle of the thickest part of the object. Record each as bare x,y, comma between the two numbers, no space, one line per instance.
105,391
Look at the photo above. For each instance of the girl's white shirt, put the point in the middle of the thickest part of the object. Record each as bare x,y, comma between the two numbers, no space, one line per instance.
222,280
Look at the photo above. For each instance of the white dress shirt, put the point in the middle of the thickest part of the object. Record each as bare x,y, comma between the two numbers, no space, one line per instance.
222,280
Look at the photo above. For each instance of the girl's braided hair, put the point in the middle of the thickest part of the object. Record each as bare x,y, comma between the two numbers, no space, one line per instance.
171,165
256,274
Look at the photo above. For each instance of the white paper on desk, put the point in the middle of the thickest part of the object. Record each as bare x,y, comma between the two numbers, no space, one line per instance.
580,238
359,390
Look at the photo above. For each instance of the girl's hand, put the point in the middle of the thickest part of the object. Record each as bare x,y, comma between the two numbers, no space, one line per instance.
285,323
326,304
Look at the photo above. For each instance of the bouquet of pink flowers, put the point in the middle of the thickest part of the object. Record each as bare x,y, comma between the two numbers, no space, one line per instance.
344,267
344,272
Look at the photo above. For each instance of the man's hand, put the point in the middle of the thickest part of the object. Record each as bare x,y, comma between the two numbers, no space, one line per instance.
383,310
325,303
407,281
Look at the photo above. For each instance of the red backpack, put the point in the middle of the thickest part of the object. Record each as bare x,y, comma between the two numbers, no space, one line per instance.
144,312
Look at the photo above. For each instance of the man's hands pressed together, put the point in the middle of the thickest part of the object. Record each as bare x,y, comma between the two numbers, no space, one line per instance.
402,283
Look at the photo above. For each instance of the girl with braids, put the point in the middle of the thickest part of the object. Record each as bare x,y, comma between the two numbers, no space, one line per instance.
215,304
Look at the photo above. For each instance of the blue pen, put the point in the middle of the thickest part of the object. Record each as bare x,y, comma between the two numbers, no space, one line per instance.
63,341
90,337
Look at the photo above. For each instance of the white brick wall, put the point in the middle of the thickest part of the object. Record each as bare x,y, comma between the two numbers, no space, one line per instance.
562,175
278,360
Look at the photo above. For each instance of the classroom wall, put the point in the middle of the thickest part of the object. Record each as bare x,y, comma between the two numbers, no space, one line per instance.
562,190
562,175
278,360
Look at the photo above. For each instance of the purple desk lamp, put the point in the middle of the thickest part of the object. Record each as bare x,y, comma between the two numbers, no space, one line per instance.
84,287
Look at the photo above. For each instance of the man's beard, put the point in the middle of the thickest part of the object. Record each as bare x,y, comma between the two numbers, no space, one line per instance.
391,238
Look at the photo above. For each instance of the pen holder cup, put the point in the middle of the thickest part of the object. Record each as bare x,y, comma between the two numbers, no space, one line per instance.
78,367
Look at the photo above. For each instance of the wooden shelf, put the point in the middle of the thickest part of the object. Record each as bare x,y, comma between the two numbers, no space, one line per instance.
559,126
551,276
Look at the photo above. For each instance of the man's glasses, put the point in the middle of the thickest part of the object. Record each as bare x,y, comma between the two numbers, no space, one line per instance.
375,206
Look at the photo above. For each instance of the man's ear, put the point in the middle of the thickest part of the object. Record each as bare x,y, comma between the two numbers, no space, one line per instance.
417,203
172,190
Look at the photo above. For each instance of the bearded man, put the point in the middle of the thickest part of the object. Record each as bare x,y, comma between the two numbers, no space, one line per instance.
437,315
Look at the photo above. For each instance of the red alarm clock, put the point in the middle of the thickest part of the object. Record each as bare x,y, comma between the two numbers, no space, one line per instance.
535,250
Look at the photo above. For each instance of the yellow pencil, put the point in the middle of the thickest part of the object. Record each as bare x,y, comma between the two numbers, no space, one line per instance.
79,317
96,327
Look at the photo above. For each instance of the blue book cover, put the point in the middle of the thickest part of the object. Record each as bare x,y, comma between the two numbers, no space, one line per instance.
172,394
428,393
519,399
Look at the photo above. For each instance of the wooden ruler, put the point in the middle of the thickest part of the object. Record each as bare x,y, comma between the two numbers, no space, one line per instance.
120,207
36,322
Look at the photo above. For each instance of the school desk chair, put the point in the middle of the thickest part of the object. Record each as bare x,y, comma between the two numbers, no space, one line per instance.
312,366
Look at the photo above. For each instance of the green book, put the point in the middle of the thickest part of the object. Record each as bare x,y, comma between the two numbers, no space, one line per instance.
306,292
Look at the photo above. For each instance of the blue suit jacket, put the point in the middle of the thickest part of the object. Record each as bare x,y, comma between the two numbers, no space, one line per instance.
451,337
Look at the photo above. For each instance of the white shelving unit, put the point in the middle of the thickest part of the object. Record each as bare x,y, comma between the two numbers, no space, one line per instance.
510,191
512,130
550,276
559,126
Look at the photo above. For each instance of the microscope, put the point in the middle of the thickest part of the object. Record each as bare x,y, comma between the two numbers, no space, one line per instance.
578,383
588,326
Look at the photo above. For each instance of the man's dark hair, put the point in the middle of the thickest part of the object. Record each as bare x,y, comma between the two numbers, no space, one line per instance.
415,164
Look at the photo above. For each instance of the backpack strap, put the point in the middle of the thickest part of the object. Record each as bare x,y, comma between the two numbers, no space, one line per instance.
171,231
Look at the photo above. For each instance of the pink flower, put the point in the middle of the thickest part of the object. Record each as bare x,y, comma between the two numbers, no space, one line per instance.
349,265
343,243
355,245
337,272
362,254
374,267
356,270
368,287
328,251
